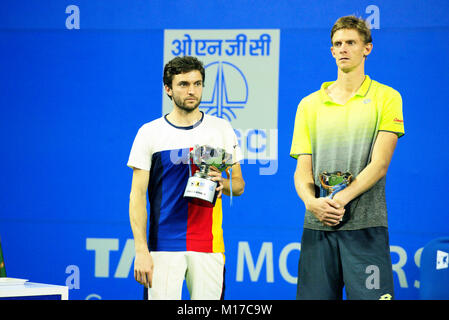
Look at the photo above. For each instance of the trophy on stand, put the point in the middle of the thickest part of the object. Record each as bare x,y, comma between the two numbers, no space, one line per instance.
200,185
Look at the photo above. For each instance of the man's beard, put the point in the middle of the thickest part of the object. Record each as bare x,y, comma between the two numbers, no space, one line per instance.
182,104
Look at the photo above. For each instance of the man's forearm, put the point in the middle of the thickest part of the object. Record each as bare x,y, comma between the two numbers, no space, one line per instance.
138,219
303,179
305,187
238,186
374,171
366,179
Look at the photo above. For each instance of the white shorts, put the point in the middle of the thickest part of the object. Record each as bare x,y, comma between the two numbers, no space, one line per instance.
203,272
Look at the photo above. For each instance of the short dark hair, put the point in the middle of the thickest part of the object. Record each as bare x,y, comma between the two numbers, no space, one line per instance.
352,22
180,65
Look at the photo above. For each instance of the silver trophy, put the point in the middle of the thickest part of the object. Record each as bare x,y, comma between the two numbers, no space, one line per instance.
333,182
200,185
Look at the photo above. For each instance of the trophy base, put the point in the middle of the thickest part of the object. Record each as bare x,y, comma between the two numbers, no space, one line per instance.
201,188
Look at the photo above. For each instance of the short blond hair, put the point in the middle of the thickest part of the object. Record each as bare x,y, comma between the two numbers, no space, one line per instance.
352,22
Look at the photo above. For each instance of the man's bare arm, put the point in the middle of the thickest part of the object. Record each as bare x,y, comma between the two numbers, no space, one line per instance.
238,184
380,160
143,263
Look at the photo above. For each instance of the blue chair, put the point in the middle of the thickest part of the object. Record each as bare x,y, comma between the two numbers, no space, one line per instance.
434,270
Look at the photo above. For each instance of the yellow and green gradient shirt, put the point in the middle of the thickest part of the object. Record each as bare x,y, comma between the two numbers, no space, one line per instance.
341,138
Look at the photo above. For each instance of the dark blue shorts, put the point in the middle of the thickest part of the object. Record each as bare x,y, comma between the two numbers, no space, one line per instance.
358,260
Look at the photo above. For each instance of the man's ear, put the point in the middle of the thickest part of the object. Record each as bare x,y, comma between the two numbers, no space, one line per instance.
332,51
168,90
368,49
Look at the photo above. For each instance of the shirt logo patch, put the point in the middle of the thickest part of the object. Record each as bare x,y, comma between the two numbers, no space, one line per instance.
398,121
366,101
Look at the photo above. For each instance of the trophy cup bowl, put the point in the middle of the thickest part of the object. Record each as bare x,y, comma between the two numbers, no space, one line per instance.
333,182
200,185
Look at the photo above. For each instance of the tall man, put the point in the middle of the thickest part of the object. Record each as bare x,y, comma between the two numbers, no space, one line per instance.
185,238
349,125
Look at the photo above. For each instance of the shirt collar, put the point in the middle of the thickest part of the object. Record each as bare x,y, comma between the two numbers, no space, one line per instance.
362,92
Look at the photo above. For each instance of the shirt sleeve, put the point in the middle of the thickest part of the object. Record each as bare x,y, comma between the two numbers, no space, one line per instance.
140,155
391,117
301,136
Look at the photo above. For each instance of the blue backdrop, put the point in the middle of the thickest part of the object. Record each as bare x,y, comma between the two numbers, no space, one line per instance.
72,100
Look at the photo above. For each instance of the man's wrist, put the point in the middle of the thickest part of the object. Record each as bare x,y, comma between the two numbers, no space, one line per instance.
142,249
341,197
308,203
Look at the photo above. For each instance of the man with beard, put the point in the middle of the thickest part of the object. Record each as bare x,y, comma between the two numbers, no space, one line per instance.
185,239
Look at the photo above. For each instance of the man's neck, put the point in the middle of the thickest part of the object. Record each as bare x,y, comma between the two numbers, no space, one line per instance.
346,85
182,118
349,82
